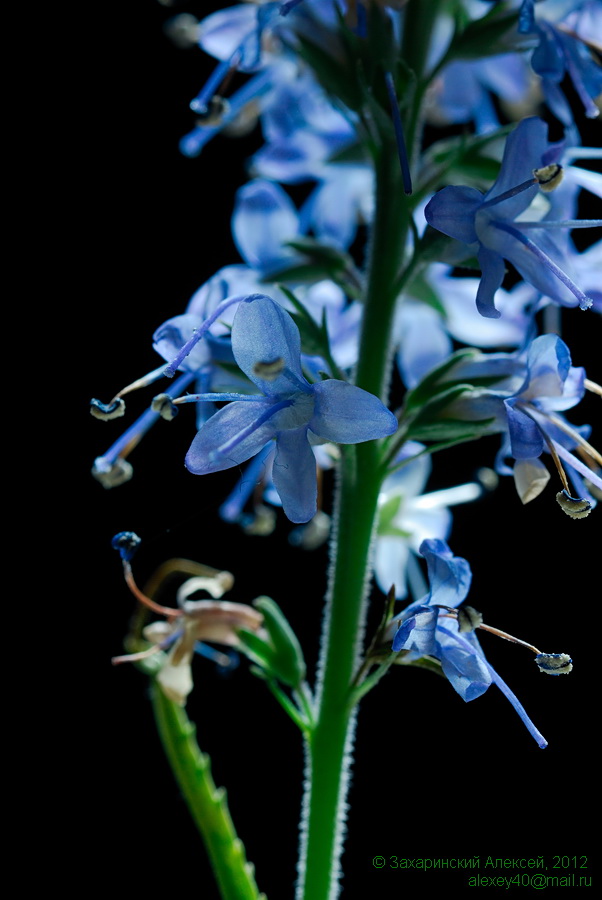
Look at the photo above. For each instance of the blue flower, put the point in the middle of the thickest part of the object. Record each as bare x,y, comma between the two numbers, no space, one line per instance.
427,628
488,223
562,51
266,345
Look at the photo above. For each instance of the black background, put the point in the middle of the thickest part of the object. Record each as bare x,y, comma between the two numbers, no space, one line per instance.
433,777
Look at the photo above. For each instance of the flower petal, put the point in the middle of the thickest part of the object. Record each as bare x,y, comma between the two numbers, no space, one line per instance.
294,474
205,455
452,211
449,575
263,332
346,414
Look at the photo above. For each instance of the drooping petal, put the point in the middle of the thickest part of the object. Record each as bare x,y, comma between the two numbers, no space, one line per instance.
465,671
526,439
264,333
294,475
493,269
215,446
346,414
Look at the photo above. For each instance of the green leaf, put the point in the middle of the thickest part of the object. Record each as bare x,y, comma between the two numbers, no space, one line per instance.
449,430
280,656
335,73
433,383
492,34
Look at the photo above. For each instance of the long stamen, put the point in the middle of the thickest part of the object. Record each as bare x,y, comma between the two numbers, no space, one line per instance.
567,223
116,407
168,611
217,82
533,731
246,432
510,193
151,651
189,346
399,136
216,397
593,387
584,301
124,445
192,143
564,426
577,464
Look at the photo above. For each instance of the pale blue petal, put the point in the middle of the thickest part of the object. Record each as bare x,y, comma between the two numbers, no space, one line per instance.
294,475
523,152
346,414
423,341
548,362
171,336
264,219
205,455
453,210
449,575
525,437
493,271
466,672
263,332
418,632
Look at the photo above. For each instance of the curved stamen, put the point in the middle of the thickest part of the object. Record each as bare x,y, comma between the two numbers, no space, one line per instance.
584,301
567,223
216,398
189,346
510,193
124,445
192,144
533,731
273,408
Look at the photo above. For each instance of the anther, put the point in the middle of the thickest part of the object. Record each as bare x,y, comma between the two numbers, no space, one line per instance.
113,474
164,405
554,663
468,619
269,371
575,507
213,112
106,411
127,542
549,177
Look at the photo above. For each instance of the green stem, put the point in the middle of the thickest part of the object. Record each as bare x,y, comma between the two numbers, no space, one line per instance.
207,804
329,746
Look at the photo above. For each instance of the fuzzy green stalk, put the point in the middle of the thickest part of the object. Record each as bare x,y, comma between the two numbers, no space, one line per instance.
328,751
207,803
